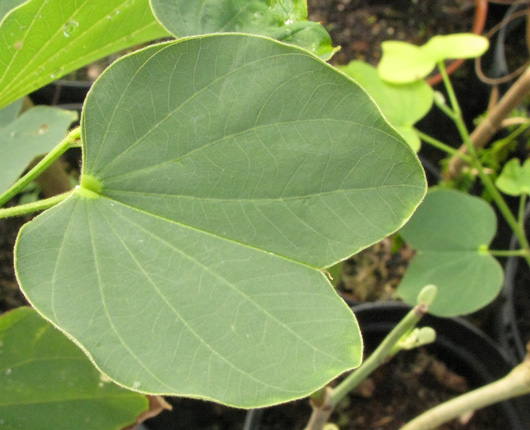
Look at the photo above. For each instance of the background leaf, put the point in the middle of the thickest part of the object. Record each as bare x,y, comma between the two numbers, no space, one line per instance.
46,39
403,105
514,179
450,232
49,384
221,174
454,46
36,132
284,20
403,62
10,113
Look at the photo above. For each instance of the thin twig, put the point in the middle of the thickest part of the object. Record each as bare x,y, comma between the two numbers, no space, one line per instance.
492,123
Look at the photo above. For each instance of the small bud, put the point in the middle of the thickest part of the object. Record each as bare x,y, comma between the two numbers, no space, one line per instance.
427,295
418,337
439,99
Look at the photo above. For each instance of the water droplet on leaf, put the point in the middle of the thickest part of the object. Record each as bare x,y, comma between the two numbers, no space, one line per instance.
70,27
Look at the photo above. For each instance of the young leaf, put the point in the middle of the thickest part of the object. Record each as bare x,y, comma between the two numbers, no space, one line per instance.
450,231
514,179
43,40
403,105
454,46
34,133
279,19
403,62
221,175
48,383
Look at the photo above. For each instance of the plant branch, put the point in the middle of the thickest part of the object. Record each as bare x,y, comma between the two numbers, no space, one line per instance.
329,398
486,180
37,206
516,383
41,166
492,123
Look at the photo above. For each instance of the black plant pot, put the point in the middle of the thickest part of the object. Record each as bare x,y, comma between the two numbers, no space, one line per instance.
461,346
512,329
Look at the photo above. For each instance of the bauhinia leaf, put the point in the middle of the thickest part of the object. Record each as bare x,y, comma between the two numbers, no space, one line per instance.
403,62
221,175
43,40
451,232
36,132
48,383
403,105
10,113
284,20
514,178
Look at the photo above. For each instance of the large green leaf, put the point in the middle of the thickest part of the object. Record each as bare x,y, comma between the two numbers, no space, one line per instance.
45,39
284,20
403,105
221,174
49,384
451,232
36,132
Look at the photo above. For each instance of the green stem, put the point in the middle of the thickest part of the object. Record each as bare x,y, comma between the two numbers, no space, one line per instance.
53,155
486,180
522,207
507,253
442,146
445,109
33,207
383,351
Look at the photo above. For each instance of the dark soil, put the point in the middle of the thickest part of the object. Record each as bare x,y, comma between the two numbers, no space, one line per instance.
375,273
421,379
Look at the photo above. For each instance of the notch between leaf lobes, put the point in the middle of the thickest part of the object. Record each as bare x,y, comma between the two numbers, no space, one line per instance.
90,187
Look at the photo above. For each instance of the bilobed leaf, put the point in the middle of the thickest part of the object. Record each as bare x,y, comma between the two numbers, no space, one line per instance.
284,20
403,105
49,384
43,40
36,132
514,179
10,113
221,175
451,232
7,5
403,62
454,46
